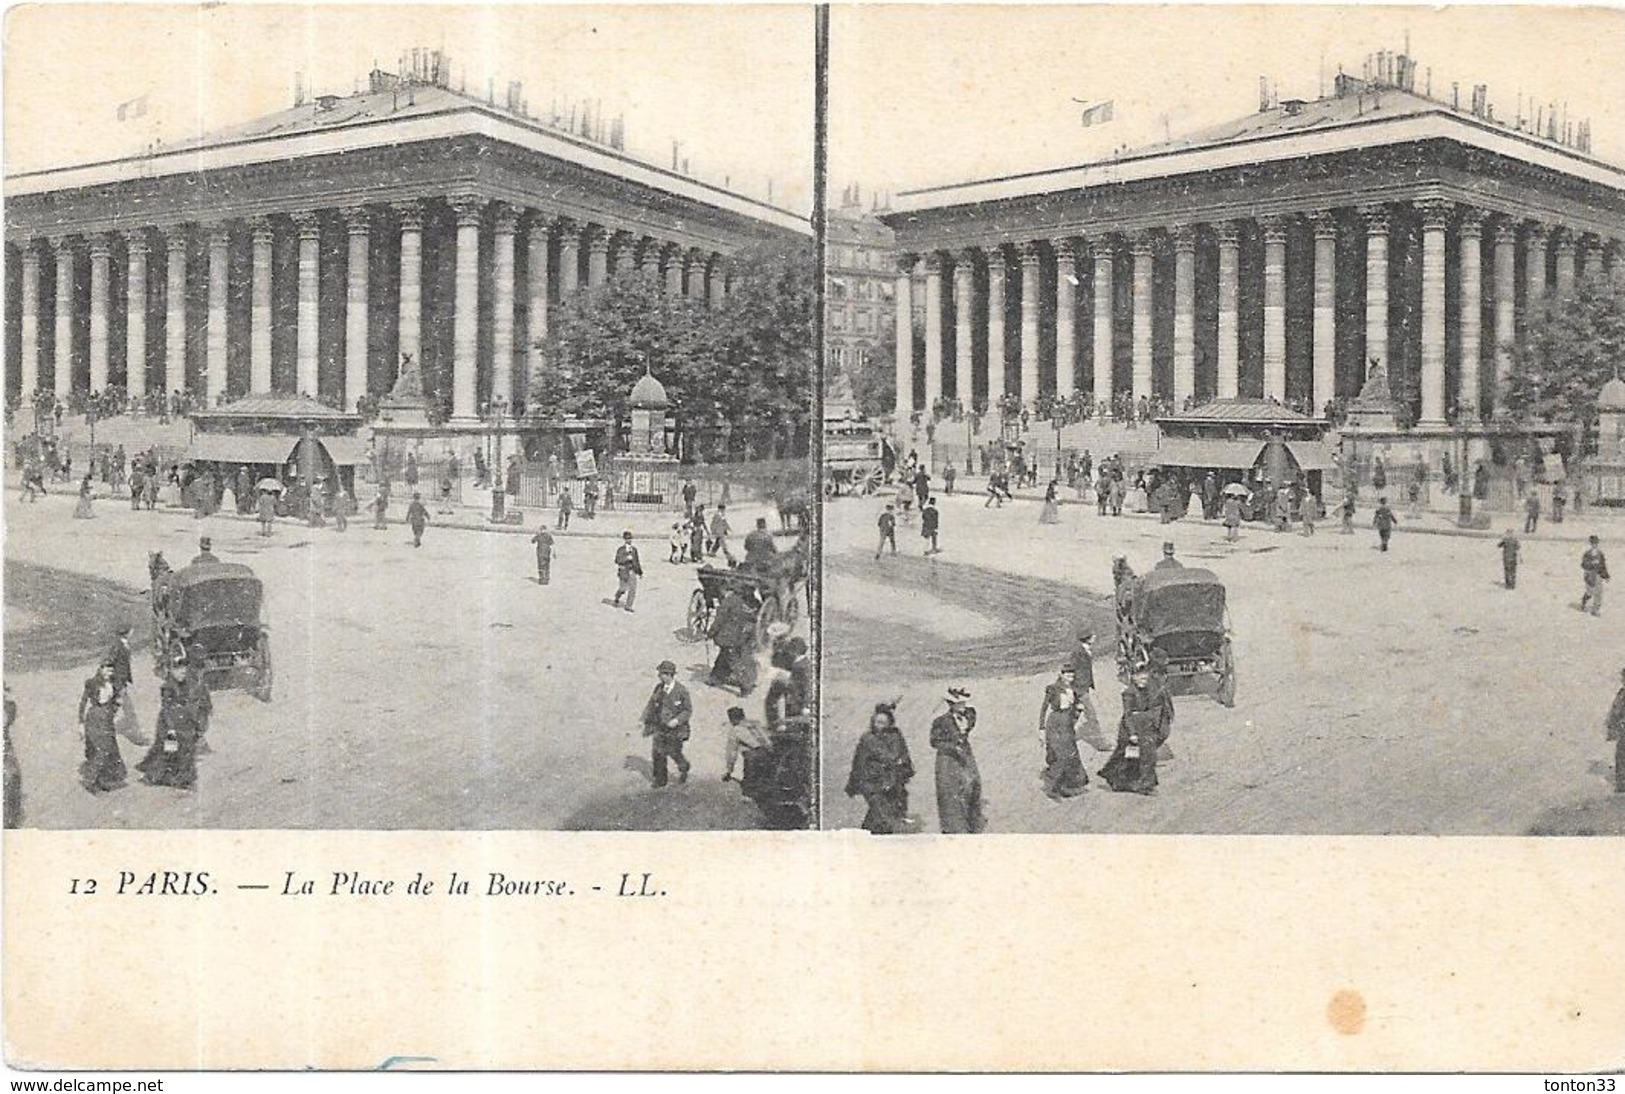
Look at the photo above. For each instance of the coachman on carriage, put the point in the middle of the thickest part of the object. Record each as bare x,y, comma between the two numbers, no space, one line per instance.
1174,620
778,583
211,615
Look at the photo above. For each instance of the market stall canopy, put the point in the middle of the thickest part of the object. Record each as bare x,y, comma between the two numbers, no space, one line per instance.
1208,452
1312,455
344,451
241,448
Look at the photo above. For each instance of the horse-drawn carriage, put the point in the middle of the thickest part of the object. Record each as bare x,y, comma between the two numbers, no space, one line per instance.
210,615
777,585
1173,621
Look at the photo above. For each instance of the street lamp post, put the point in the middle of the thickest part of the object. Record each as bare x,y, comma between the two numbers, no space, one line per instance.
499,498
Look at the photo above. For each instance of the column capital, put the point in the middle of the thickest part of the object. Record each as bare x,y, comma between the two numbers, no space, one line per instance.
1506,231
934,262
966,258
906,262
1229,233
1534,231
308,223
1563,239
1589,240
357,219
1375,218
1143,244
1032,252
562,226
505,217
693,256
1435,213
29,246
1184,238
717,261
411,214
1472,221
1273,228
262,230
175,237
1067,248
1324,223
467,208
101,245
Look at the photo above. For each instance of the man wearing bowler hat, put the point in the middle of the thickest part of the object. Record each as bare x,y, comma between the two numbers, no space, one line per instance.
628,567
665,719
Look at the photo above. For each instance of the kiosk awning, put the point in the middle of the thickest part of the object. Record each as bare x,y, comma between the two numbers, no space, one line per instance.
1311,455
1208,452
344,451
242,448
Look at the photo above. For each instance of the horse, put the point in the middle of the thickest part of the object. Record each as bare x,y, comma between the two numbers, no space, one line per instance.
795,512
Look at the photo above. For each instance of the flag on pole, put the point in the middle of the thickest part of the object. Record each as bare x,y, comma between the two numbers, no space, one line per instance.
131,109
1098,113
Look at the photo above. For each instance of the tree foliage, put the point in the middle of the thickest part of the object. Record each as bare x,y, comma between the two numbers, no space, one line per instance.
747,363
1573,345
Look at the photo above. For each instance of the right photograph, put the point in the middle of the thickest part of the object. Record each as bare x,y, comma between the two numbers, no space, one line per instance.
1224,421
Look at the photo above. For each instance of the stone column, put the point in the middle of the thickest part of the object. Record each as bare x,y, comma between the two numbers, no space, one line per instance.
1143,252
63,373
1613,255
1066,317
597,255
649,257
1566,263
214,380
569,256
259,321
1031,256
933,331
503,292
1534,266
1435,215
308,361
620,248
411,321
1506,242
964,362
537,286
135,303
1184,314
1469,320
465,320
716,280
903,328
1586,254
30,318
673,256
1102,348
1325,313
175,313
694,275
1229,345
358,226
1274,308
1376,284
100,286
995,329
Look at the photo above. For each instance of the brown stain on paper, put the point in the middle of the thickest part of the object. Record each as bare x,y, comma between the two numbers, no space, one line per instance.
1346,1012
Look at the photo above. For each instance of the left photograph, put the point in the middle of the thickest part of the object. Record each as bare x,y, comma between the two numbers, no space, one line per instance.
408,417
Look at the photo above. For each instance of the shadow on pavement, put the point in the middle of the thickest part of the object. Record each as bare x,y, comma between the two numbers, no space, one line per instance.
690,807
1601,816
71,618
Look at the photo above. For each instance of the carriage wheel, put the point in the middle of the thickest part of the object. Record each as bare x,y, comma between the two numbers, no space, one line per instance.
1227,677
699,614
869,479
262,670
769,614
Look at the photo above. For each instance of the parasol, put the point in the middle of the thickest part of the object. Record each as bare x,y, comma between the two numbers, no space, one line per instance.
271,485
1236,490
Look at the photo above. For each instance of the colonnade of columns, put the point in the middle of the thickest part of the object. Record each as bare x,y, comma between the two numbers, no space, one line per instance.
1025,268
607,250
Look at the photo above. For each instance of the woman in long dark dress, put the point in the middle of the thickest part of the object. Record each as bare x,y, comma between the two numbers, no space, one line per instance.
172,759
1064,776
1051,513
881,770
103,768
83,510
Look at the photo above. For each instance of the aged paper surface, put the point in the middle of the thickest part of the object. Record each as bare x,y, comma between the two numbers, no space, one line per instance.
290,899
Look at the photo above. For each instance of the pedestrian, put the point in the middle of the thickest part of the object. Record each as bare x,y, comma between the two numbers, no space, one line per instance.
1103,491
126,722
628,568
380,509
888,531
1560,498
1119,494
13,770
1383,520
948,477
266,510
994,495
410,474
1508,545
1232,518
1148,714
922,486
138,485
1051,513
881,770
589,499
930,521
1347,509
743,735
665,720
1063,776
151,487
1283,510
83,510
1379,474
1616,733
103,769
1594,565
417,518
1083,666
172,759
341,507
446,481
697,534
678,552
733,629
543,539
959,781
566,504
719,534
1531,512
689,494
1309,512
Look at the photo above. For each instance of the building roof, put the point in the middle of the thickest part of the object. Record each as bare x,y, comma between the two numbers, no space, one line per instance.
1238,412
1291,130
276,404
849,228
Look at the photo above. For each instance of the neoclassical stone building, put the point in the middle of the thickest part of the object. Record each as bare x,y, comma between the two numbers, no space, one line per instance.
308,250
1270,257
